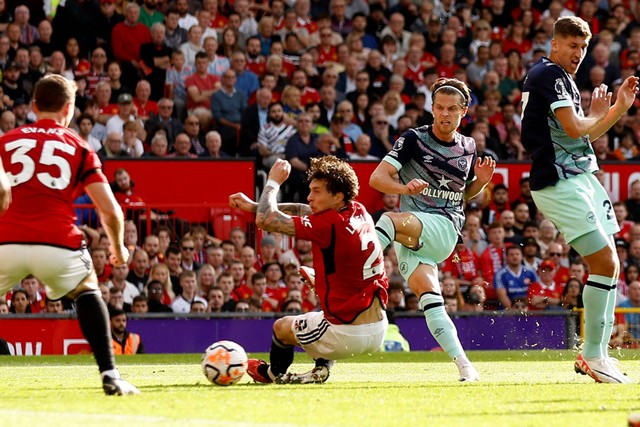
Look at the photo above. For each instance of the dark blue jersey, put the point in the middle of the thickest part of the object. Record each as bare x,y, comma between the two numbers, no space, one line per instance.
554,154
446,166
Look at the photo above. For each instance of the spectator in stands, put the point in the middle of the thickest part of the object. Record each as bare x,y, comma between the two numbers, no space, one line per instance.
213,143
187,248
165,120
188,283
215,300
380,134
227,105
116,300
119,281
246,80
248,259
159,146
225,283
193,129
512,281
12,86
493,258
259,287
124,342
126,39
182,148
155,58
273,136
206,280
126,112
35,293
53,306
20,302
144,105
138,274
545,293
475,297
85,126
112,147
140,304
572,294
8,122
451,290
253,118
633,201
200,88
632,320
157,294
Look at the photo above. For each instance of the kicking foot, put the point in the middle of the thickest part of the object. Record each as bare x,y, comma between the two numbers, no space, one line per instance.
309,275
601,369
468,374
118,387
258,371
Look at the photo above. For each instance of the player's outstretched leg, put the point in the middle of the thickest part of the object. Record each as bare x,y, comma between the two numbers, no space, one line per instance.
444,331
94,323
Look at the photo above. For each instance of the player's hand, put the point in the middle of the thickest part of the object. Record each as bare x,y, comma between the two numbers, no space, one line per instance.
415,186
118,255
600,102
280,171
484,168
243,202
627,92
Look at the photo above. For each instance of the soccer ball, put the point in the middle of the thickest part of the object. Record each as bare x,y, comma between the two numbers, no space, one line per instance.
224,363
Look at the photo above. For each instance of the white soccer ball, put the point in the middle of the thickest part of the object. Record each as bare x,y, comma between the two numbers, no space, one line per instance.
224,363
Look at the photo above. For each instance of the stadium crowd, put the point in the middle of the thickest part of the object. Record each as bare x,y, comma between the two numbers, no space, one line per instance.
297,79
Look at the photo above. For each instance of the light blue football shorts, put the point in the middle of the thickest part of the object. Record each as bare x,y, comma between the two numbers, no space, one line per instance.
578,206
438,239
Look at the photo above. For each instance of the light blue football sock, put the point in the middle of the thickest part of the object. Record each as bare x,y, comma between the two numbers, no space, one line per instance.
609,319
440,324
596,319
386,230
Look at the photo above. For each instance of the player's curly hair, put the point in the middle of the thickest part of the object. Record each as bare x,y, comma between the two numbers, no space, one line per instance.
338,174
451,87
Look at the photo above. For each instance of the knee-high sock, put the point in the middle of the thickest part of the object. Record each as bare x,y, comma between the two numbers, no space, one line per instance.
440,324
94,323
609,318
386,230
596,320
280,356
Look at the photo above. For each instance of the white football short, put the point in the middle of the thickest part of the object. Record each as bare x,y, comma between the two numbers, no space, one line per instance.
324,340
61,270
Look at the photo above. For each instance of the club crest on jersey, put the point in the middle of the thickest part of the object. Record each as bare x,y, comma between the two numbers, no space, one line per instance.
463,164
403,267
399,143
305,221
561,90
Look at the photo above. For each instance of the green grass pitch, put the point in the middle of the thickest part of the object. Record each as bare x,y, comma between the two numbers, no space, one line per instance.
518,388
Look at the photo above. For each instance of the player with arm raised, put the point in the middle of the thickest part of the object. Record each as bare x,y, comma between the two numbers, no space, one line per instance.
558,136
438,169
48,164
349,273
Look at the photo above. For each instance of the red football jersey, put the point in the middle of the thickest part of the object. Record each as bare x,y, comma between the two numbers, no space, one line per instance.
348,261
47,165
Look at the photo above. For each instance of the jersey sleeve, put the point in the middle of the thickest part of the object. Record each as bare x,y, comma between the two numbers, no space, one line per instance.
555,88
403,150
316,228
90,170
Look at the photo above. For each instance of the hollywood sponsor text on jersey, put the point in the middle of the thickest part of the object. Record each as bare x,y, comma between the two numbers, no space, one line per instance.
453,196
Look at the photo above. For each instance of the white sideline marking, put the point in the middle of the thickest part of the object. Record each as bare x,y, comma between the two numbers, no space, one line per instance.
156,420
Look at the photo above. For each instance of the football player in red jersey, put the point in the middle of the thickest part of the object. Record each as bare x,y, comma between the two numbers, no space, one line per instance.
49,163
350,280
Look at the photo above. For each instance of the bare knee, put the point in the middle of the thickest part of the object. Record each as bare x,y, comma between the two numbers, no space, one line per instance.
282,330
408,228
604,262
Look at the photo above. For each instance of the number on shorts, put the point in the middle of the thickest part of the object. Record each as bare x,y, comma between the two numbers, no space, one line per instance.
369,270
48,157
607,205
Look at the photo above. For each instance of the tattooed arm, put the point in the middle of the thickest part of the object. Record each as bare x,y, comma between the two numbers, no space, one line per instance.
269,217
244,203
